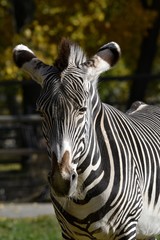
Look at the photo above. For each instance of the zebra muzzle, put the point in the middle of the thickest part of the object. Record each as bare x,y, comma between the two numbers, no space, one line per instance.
60,186
62,178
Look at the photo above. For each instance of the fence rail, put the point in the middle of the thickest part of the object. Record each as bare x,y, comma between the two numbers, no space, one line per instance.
20,125
22,121
106,78
30,118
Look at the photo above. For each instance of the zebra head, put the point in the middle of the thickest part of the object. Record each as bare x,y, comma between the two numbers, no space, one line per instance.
66,104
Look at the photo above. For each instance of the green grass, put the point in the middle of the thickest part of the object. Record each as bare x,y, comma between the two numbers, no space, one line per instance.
41,228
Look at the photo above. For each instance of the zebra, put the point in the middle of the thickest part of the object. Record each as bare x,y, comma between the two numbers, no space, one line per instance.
105,164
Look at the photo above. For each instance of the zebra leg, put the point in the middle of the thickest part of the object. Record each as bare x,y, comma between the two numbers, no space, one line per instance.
128,232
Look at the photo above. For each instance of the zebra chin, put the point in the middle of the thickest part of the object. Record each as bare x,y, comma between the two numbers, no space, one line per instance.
63,186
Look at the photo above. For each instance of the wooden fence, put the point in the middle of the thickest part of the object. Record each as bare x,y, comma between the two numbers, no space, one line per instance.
21,138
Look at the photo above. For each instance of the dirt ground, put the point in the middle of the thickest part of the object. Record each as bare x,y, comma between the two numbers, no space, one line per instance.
12,210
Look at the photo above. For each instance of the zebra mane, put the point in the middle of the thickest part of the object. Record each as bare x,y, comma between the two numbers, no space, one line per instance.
69,52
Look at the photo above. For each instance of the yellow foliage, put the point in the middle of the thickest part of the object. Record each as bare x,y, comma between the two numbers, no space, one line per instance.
90,23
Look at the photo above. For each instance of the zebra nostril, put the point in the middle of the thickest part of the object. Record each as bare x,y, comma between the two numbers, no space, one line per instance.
73,176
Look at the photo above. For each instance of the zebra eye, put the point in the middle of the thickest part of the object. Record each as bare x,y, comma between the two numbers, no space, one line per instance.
83,109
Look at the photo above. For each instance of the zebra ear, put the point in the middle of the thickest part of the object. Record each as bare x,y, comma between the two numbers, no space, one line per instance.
25,59
106,57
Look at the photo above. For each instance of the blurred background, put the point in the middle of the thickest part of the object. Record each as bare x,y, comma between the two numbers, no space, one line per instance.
40,24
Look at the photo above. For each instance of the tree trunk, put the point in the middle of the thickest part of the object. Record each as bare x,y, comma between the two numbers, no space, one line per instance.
146,58
23,12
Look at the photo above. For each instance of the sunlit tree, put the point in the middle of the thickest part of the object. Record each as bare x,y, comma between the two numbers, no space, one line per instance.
91,24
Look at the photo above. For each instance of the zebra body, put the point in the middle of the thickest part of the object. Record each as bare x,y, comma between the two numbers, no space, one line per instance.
135,198
105,164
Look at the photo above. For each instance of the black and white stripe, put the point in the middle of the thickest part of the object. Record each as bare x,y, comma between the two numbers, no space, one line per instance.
115,155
